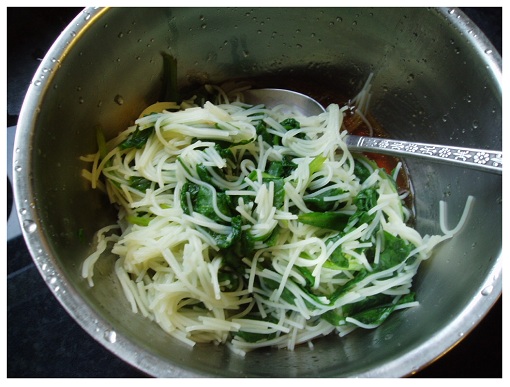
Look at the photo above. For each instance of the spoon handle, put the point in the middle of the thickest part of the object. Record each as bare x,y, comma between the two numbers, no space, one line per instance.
481,159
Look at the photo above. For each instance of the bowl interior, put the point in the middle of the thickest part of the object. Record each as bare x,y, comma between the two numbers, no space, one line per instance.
432,82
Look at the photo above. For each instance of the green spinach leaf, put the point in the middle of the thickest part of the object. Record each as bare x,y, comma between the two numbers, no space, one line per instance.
139,183
329,220
290,123
318,202
202,201
137,139
364,201
396,250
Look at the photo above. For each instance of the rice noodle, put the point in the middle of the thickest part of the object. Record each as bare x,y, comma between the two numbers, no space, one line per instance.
291,281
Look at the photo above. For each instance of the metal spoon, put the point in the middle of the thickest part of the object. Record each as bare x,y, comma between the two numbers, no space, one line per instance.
480,159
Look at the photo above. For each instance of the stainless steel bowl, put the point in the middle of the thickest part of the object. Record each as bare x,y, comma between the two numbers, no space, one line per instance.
436,79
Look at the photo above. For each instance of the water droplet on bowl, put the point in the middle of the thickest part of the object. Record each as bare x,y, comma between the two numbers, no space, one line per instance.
29,226
110,336
487,290
118,99
488,51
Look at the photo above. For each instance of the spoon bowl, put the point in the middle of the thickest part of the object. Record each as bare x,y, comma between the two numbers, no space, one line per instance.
479,159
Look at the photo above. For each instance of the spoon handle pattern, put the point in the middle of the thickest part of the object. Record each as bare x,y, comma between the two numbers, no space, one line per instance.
481,159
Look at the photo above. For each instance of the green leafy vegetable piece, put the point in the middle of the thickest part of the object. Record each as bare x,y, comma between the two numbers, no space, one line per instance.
369,302
347,287
228,280
275,169
286,295
307,275
318,202
225,241
340,261
396,250
332,317
289,297
409,297
204,174
202,201
139,183
364,201
137,139
316,164
385,175
191,190
374,316
244,246
261,130
252,337
372,310
329,220
290,123
282,168
224,151
279,190
139,220
273,238
360,170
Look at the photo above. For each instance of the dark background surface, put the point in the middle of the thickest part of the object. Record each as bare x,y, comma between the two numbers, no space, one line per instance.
44,341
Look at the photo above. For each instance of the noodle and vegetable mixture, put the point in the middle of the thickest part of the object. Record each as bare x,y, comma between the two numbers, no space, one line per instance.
252,226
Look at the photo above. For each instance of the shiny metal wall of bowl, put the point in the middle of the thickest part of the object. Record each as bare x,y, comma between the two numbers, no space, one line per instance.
436,79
